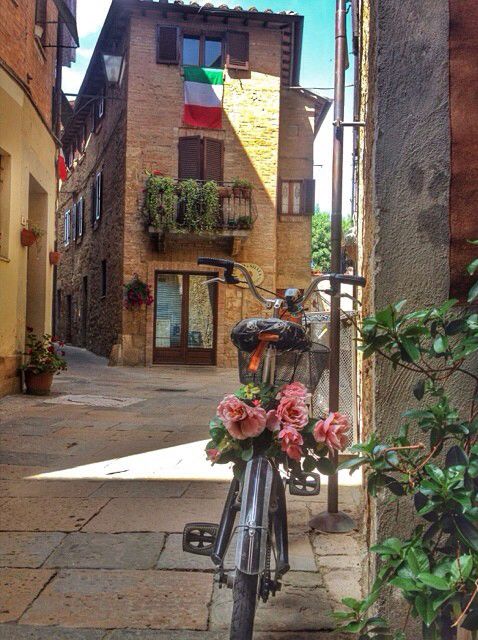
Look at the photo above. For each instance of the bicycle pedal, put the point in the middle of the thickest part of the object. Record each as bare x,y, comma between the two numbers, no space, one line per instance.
307,484
199,538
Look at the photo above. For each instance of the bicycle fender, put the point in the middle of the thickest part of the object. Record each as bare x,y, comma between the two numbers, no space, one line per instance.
253,528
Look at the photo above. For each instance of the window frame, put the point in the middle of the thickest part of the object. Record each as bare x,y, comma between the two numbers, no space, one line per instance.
304,195
66,227
202,157
159,59
98,197
41,20
73,222
80,218
202,36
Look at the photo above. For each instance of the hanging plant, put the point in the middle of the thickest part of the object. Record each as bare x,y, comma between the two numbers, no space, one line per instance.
161,200
190,199
210,205
137,293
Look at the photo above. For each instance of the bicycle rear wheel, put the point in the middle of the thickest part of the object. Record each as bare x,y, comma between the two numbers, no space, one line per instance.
244,596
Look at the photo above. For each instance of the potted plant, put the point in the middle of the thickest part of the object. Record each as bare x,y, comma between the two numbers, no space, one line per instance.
161,199
242,188
45,359
54,257
30,235
244,222
137,293
210,205
224,192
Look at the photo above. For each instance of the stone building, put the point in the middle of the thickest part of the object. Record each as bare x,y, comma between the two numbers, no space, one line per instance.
30,62
120,132
418,172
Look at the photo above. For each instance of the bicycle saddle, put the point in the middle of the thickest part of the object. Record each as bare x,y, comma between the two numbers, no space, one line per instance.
291,336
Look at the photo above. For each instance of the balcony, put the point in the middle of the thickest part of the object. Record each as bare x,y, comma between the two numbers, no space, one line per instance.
197,208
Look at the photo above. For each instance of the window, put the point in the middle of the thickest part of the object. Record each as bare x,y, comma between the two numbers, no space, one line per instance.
100,107
103,278
167,50
200,158
73,222
97,198
66,230
297,197
202,51
79,218
40,20
237,50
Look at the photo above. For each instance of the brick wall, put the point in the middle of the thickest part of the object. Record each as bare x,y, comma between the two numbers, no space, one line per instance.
21,51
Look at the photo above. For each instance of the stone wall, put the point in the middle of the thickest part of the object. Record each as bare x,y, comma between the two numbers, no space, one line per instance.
405,207
104,151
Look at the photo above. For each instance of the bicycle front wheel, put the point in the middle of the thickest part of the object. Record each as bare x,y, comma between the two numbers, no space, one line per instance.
244,596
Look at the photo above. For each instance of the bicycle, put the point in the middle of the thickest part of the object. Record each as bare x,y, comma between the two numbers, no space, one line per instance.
275,352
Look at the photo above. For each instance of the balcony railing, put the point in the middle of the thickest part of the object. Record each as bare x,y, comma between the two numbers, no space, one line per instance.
198,207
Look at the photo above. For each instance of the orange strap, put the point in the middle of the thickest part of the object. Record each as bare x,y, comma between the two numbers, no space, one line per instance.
256,355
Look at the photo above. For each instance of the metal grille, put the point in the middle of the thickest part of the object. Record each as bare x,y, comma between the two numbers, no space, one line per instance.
306,367
319,328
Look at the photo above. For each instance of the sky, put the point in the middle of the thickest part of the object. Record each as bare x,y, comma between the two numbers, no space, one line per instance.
317,70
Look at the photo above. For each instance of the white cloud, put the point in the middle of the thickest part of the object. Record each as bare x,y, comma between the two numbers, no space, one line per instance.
90,15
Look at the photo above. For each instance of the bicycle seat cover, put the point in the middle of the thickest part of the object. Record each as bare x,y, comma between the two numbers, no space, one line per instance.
292,336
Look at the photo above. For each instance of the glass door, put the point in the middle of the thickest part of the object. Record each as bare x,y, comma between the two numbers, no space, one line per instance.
185,318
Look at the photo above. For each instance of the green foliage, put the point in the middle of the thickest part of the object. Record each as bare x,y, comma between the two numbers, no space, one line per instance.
321,239
210,205
436,568
45,354
160,203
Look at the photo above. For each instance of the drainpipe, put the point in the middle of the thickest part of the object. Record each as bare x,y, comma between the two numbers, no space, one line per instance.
333,520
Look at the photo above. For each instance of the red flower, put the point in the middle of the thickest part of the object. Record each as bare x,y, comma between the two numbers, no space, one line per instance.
51,349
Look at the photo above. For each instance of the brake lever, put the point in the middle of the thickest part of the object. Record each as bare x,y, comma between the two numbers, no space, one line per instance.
351,297
214,280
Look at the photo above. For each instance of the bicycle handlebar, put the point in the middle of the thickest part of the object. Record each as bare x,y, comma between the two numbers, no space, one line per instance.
229,278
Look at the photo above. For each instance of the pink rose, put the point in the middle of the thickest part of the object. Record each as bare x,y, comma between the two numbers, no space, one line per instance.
293,411
213,455
272,421
294,390
241,420
291,442
333,431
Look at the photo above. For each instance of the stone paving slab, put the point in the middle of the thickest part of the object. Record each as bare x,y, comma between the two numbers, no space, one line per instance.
119,599
211,490
17,471
108,551
52,488
153,514
141,489
26,632
345,544
26,549
18,588
137,634
31,459
301,555
301,605
49,514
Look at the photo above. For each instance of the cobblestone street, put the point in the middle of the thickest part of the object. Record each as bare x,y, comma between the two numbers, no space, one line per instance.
96,484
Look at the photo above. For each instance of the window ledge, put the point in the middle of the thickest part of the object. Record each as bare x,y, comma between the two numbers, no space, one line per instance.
4,259
40,48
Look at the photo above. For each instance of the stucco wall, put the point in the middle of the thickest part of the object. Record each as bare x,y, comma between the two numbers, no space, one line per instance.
405,228
28,194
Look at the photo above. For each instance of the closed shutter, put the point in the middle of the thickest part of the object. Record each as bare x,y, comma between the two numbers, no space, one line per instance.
189,164
99,195
213,160
309,197
167,49
237,50
79,217
73,223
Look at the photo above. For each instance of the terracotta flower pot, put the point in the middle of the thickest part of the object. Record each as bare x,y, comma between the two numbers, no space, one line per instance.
224,192
246,193
54,257
38,384
237,191
27,238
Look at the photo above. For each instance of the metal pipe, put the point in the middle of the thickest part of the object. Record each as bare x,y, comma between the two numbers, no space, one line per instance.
334,521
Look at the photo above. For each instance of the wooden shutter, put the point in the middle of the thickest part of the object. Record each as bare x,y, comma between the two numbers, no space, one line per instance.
213,160
189,160
99,194
308,187
237,50
93,202
73,222
167,48
79,217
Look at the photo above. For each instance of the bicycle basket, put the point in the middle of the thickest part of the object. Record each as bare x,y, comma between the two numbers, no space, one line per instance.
291,366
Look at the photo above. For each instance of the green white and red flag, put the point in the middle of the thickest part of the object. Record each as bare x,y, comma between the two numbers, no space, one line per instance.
203,90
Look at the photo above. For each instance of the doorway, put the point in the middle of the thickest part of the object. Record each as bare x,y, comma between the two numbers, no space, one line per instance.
185,318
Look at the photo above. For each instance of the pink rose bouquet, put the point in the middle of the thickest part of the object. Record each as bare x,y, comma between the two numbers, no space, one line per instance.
241,420
333,431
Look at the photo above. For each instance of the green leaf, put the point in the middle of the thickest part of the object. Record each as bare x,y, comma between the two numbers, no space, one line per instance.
325,466
405,584
461,568
473,293
434,581
352,603
424,607
309,464
440,344
467,532
456,457
419,389
247,454
472,267
411,349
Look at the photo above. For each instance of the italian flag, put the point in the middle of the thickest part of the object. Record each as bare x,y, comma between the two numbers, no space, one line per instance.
203,89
